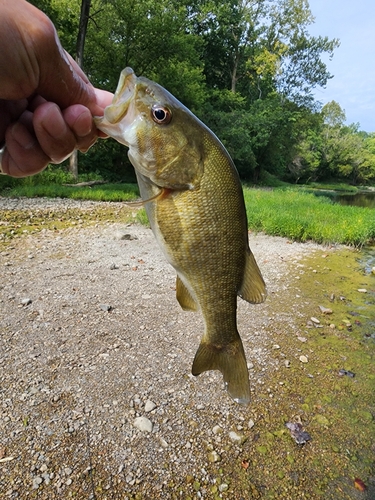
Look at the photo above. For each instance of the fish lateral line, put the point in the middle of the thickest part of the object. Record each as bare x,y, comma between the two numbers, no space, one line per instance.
163,193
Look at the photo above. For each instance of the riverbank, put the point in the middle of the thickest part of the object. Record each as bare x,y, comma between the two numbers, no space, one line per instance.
93,338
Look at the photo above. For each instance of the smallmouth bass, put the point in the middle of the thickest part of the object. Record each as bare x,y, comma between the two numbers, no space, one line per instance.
194,201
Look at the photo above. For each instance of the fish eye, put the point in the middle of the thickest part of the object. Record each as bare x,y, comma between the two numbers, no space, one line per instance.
161,115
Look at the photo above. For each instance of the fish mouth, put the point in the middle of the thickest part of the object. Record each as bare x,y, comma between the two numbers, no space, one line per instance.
118,109
122,98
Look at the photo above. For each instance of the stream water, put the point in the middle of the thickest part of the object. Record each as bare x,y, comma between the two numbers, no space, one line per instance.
366,200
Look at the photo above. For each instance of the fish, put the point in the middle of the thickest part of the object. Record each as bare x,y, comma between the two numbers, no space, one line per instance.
194,202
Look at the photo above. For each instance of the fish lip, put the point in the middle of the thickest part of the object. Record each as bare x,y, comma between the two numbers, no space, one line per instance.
116,111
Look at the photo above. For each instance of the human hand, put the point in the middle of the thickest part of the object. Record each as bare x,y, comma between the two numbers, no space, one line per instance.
46,101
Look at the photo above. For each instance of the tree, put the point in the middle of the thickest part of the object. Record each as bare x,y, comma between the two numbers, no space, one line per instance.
257,47
81,37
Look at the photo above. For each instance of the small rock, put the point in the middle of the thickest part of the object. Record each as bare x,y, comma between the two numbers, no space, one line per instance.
251,423
113,266
217,429
298,434
362,290
325,310
236,438
303,359
343,372
143,424
163,443
315,320
373,270
105,307
26,301
302,339
275,346
223,487
287,363
149,406
37,481
122,235
214,457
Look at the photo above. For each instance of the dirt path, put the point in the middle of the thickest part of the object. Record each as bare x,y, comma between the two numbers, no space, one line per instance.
92,337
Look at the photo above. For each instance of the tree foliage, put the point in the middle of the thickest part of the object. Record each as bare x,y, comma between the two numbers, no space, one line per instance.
247,68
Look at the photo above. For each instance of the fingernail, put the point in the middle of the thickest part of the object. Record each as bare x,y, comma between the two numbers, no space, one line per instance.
21,135
83,124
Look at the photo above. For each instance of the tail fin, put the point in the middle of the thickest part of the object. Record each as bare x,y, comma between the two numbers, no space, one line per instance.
230,360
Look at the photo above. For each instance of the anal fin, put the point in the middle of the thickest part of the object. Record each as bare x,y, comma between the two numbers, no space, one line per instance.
253,288
184,297
230,360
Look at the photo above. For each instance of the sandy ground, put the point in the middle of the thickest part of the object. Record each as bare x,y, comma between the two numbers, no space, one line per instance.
92,337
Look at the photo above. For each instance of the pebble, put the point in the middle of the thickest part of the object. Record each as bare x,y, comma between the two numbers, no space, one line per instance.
26,301
373,270
315,320
325,310
163,443
287,363
303,359
236,438
217,429
122,235
143,424
37,481
214,457
149,406
105,307
362,290
223,487
302,339
251,423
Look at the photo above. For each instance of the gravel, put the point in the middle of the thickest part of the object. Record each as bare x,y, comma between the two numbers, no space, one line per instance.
92,339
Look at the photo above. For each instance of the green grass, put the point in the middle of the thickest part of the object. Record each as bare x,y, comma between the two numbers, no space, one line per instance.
292,213
302,216
102,192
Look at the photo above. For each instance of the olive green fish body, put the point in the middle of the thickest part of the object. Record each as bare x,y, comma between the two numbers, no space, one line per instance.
196,210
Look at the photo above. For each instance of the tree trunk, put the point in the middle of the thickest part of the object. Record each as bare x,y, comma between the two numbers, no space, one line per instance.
83,21
73,164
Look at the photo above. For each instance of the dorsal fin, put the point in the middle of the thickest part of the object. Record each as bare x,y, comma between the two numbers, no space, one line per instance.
184,297
253,288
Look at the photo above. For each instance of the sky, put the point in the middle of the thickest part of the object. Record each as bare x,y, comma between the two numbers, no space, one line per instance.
353,63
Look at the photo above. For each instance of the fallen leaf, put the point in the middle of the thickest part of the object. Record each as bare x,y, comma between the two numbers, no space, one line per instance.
359,484
245,464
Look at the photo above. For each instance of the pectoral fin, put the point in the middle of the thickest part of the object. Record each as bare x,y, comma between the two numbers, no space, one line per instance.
230,360
253,288
158,196
184,297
